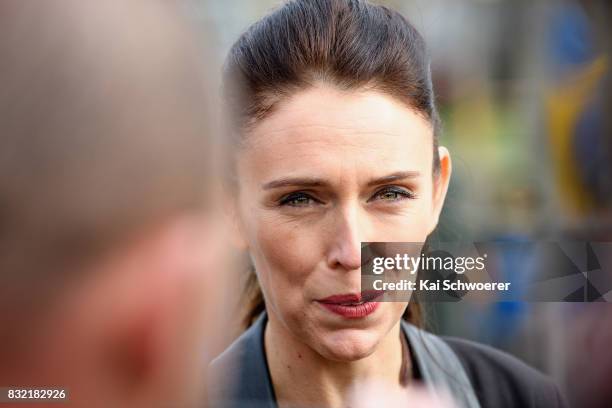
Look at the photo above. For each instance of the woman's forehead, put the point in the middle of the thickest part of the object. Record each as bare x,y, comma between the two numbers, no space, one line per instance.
326,110
326,130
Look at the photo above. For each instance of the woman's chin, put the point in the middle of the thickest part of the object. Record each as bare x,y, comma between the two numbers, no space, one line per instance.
347,345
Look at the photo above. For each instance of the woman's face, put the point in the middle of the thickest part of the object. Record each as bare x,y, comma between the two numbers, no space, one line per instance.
327,170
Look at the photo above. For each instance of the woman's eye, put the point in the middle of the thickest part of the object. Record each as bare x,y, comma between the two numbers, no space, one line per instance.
394,194
297,200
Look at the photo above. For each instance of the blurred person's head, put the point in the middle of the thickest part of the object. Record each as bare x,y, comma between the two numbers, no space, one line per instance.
335,142
105,208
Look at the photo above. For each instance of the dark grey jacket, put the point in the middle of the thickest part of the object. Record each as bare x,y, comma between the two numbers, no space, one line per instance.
474,375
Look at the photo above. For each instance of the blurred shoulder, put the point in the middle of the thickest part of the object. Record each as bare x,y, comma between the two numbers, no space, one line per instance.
501,380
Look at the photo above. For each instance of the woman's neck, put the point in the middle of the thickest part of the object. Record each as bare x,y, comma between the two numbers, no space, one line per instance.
302,377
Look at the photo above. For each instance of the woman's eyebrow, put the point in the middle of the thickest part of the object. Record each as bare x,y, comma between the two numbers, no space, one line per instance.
294,182
317,182
397,176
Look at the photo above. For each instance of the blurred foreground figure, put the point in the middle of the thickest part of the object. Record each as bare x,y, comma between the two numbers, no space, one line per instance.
379,394
106,228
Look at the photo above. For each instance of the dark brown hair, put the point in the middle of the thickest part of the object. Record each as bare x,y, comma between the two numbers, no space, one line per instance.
350,44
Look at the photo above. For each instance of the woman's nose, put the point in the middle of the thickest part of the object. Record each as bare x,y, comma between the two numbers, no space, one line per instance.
345,240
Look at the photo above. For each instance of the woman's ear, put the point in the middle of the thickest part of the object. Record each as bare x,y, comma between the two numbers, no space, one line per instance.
440,187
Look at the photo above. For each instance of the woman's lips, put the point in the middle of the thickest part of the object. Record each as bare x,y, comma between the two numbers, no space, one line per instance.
352,305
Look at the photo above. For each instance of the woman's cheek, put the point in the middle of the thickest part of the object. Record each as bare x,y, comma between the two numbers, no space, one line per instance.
285,257
410,226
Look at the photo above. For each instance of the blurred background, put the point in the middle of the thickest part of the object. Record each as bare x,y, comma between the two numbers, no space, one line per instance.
524,90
